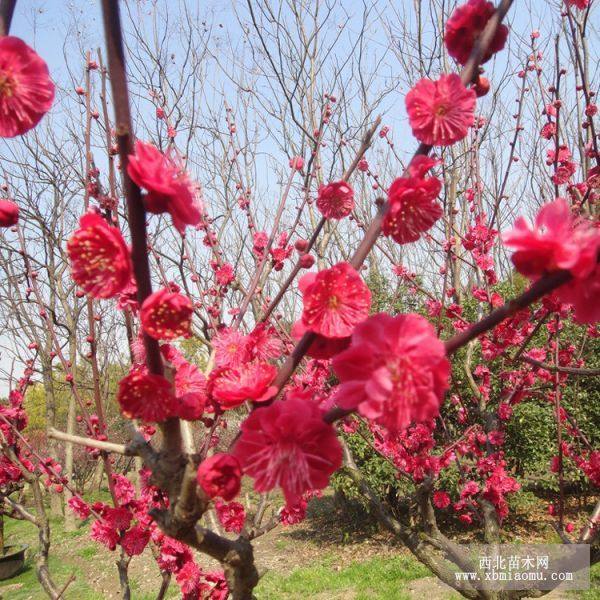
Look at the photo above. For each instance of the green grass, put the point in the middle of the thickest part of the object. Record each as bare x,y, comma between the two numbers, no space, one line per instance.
25,585
89,551
82,551
374,579
594,592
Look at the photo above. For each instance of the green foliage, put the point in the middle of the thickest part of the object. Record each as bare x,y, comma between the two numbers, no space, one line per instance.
383,296
380,474
531,439
194,351
35,406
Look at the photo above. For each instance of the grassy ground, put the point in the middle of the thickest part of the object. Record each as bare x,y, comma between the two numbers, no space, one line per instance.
25,585
314,560
374,579
74,553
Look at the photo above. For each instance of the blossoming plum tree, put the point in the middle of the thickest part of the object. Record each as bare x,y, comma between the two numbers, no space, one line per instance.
293,386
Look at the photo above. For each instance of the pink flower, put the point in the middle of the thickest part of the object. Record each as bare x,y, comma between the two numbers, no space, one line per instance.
580,4
231,348
145,396
167,315
99,257
190,391
26,90
441,499
224,274
504,411
220,475
9,213
335,200
412,206
188,578
466,518
287,444
496,487
292,515
260,241
440,112
173,555
335,300
395,371
127,299
105,534
8,471
593,179
471,488
262,342
118,517
167,185
124,490
296,163
135,540
548,131
79,507
232,386
556,241
216,585
231,516
582,294
466,25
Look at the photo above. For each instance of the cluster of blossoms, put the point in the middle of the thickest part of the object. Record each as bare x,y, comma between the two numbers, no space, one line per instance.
129,526
13,418
242,368
416,454
22,459
184,398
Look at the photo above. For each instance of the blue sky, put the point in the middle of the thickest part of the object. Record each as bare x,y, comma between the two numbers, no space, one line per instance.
45,23
58,28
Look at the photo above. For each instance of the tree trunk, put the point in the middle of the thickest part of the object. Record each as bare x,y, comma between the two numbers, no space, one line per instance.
98,476
70,521
123,567
41,563
1,534
56,505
